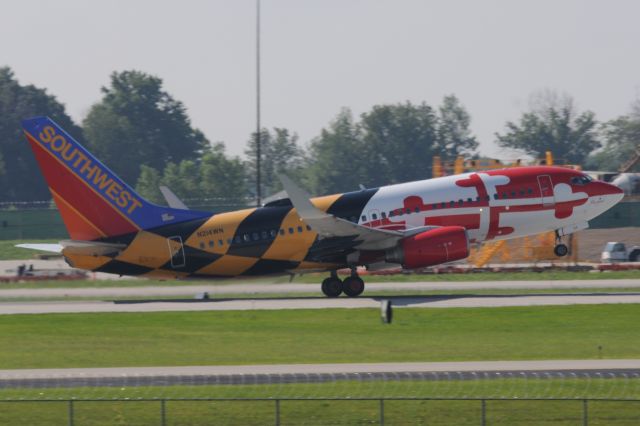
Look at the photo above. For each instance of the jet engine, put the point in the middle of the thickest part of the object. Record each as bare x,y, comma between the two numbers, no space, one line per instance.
432,247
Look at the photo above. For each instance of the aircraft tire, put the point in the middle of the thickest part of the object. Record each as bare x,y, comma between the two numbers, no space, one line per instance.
561,250
353,286
332,287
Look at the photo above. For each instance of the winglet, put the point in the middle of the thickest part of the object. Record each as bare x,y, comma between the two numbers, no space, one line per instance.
301,200
172,199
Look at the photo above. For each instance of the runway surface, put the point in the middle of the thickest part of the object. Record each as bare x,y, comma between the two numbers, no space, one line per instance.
316,373
452,301
268,288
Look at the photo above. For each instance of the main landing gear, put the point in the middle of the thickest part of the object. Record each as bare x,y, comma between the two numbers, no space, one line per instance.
560,249
352,286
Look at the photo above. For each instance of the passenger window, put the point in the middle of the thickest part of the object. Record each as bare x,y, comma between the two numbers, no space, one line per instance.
522,192
391,213
220,243
384,215
417,209
247,237
202,245
469,200
444,205
282,232
530,191
264,235
308,228
435,206
291,230
211,243
273,233
407,211
299,228
364,218
255,236
453,203
460,202
496,196
505,195
488,198
513,194
374,216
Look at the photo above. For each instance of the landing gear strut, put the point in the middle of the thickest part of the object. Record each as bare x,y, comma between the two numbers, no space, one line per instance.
352,286
560,249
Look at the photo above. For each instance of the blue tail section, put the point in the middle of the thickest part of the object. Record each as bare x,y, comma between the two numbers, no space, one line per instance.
89,194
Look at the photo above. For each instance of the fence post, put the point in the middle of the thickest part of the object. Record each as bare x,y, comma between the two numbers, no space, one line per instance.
277,412
163,413
70,412
585,413
483,415
382,412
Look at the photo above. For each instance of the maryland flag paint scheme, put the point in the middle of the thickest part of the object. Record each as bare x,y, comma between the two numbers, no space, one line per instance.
416,224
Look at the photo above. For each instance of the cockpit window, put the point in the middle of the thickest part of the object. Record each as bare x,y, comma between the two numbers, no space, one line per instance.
581,180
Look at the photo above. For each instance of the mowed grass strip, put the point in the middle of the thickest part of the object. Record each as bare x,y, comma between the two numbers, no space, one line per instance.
339,412
318,336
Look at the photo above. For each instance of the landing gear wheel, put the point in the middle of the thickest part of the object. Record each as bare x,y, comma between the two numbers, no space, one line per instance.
353,286
332,287
561,250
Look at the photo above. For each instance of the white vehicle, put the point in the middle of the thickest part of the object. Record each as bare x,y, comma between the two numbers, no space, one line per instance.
617,252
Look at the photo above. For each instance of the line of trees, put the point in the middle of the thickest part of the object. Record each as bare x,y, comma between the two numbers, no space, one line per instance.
145,135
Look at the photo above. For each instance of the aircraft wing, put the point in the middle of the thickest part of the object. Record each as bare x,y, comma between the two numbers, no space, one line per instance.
88,248
329,226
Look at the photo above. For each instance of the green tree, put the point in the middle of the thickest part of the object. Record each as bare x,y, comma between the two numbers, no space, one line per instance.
279,153
554,126
148,184
337,158
400,142
215,180
138,123
20,179
621,138
454,136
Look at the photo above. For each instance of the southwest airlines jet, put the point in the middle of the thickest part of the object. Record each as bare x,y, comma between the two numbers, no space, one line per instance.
416,224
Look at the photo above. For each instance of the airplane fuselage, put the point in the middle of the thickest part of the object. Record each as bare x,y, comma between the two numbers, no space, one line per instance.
493,205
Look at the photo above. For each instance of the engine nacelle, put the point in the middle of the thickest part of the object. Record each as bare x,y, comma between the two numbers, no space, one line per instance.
432,247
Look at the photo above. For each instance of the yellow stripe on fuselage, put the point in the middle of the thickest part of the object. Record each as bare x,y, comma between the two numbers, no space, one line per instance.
221,226
229,265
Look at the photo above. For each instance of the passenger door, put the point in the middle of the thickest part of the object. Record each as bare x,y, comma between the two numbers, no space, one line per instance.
176,251
546,190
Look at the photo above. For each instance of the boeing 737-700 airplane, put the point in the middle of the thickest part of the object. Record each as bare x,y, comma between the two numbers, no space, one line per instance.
416,224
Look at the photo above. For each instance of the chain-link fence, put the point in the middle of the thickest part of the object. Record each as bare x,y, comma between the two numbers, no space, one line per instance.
609,397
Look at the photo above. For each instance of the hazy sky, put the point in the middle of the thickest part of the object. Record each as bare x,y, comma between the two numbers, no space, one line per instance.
321,55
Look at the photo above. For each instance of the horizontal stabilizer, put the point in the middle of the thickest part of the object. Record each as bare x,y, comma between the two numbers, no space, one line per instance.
91,248
51,248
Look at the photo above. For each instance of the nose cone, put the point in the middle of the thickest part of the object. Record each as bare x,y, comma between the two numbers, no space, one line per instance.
613,193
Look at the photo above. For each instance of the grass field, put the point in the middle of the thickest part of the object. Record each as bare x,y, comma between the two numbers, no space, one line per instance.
318,336
507,407
345,412
308,336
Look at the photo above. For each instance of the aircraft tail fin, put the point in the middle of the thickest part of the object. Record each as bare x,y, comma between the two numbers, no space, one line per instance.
94,203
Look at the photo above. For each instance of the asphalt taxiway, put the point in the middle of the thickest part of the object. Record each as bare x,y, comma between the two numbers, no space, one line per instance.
316,373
